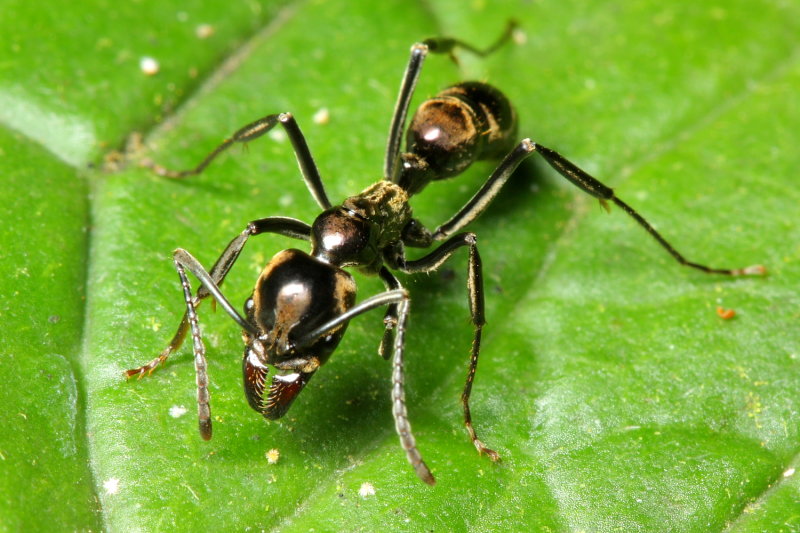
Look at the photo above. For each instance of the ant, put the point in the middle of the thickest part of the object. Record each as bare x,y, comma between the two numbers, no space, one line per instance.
302,303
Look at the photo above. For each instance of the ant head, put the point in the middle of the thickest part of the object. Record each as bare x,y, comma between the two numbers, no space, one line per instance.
295,294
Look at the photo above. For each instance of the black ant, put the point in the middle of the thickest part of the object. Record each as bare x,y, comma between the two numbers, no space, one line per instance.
302,303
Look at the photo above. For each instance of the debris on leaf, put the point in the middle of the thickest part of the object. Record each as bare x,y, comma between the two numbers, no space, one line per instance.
366,490
725,314
177,411
149,66
273,455
111,485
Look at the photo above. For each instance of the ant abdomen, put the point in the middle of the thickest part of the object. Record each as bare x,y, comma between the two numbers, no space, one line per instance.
461,124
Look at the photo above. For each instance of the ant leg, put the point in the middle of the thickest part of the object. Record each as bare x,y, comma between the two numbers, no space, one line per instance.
184,259
288,227
432,262
446,45
398,297
390,164
373,302
253,131
595,188
478,203
390,319
590,185
441,45
200,366
401,423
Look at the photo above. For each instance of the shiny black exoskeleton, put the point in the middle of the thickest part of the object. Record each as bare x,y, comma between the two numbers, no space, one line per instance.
302,302
463,123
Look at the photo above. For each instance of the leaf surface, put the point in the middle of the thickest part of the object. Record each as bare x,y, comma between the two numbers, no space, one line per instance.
616,395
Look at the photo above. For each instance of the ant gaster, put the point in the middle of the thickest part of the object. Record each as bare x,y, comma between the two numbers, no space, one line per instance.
302,303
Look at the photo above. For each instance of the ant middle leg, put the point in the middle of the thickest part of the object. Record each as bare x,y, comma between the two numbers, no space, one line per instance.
253,131
288,227
590,185
432,262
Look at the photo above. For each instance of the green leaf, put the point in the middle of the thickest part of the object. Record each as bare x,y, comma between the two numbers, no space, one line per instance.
43,449
616,395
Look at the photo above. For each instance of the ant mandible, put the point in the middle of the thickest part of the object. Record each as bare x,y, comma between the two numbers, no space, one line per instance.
302,303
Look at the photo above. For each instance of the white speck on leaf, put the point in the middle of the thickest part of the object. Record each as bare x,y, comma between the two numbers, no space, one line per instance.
322,117
273,455
111,485
149,66
204,31
366,490
177,411
278,136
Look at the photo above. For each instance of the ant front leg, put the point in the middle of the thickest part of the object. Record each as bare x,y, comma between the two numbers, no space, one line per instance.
184,259
288,227
390,318
399,298
590,185
253,131
432,262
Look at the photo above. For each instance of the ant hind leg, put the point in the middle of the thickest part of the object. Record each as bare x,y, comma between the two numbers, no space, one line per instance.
432,262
